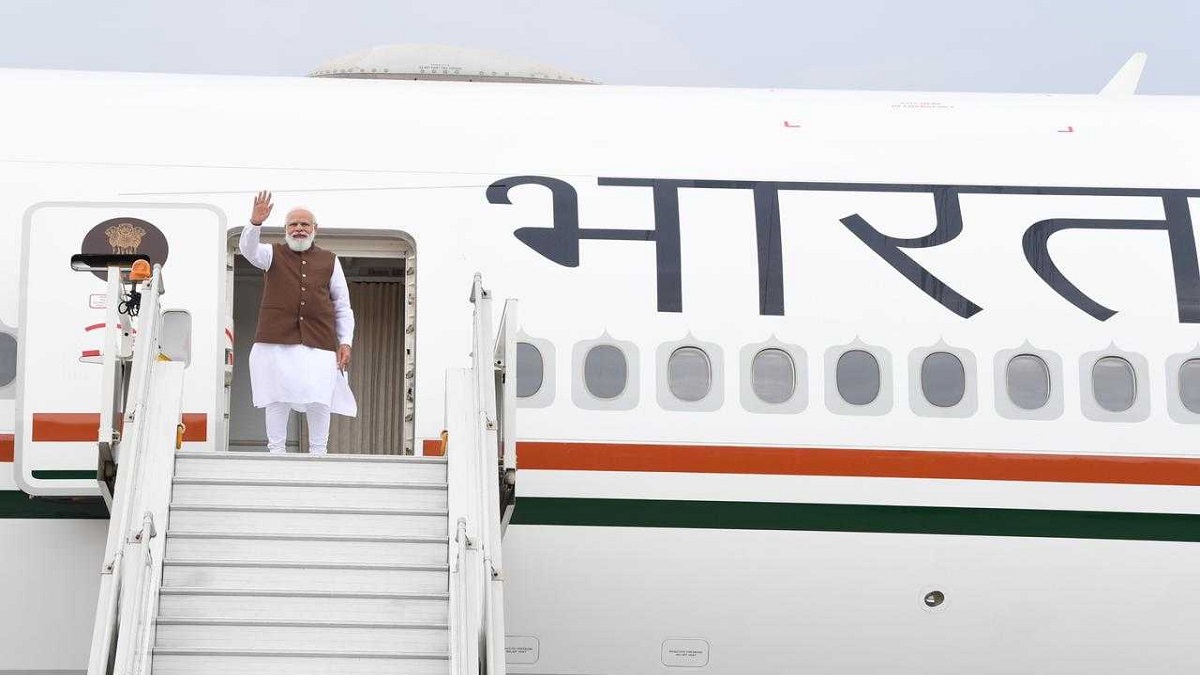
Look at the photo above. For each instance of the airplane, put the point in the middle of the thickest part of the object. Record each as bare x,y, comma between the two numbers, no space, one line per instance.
806,381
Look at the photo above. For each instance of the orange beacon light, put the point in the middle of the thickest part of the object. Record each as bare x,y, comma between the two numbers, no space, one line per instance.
140,271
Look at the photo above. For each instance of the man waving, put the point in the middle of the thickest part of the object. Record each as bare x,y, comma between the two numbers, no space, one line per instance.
305,328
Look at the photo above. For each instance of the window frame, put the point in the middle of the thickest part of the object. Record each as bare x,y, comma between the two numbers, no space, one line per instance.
8,390
628,398
1045,371
1139,411
884,400
1054,365
967,406
1175,407
1126,368
708,370
544,396
749,398
716,393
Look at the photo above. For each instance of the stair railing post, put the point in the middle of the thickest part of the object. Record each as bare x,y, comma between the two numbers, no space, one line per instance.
124,612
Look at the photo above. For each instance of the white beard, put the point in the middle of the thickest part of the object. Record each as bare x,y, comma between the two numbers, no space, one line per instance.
299,245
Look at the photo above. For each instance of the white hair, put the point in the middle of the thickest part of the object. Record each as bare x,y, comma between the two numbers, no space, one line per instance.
301,208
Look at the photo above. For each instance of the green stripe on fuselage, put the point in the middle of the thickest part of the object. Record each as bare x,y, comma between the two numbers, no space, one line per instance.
857,518
63,474
17,504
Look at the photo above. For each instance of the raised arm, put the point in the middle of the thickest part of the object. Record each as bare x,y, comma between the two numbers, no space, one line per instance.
258,254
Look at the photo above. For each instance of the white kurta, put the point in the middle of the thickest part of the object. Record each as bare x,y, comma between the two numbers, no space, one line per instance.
298,374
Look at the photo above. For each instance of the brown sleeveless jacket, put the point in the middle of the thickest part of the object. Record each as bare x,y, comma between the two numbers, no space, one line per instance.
296,307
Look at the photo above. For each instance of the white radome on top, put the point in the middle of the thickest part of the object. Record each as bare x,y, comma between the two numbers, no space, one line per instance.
441,62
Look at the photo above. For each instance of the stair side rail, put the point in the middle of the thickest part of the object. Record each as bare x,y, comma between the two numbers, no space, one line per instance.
479,421
142,451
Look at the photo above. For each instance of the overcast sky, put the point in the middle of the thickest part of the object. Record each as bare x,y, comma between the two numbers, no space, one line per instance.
1067,46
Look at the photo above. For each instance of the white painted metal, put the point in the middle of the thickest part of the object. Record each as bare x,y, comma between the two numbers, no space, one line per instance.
288,633
478,457
349,494
311,662
310,520
197,603
298,564
1125,81
329,548
305,576
126,608
361,468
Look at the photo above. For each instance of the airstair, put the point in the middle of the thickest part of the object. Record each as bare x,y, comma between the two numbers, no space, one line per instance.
247,562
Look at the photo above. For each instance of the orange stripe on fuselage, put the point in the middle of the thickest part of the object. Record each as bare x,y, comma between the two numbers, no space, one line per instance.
197,427
6,447
86,426
564,456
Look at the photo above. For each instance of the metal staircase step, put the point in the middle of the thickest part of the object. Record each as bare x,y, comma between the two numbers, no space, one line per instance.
321,548
296,564
235,465
285,662
309,520
199,603
277,492
266,634
306,576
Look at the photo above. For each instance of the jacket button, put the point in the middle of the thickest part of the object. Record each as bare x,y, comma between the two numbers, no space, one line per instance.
301,318
303,262
302,289
301,302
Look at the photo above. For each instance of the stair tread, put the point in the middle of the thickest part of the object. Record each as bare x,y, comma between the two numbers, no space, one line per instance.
298,623
311,509
407,595
287,536
304,564
312,653
301,457
317,483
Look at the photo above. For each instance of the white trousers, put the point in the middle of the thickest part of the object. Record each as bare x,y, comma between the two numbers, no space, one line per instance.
318,427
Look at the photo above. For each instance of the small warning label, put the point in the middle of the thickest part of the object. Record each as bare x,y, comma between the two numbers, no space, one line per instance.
521,649
685,652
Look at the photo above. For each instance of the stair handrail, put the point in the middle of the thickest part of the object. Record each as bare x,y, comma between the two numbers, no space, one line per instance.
122,636
477,459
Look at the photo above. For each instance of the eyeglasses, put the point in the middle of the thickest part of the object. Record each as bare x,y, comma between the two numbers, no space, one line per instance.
301,224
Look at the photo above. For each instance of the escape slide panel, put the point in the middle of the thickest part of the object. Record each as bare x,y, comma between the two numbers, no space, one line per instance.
62,315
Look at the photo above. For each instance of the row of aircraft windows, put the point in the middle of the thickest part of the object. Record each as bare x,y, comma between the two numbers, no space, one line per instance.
1027,384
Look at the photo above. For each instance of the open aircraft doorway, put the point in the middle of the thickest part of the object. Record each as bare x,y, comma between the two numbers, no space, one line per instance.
380,274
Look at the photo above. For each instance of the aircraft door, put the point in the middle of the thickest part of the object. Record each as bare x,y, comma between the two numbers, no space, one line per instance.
62,315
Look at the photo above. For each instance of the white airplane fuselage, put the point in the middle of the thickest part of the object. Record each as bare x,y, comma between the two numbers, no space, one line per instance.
715,511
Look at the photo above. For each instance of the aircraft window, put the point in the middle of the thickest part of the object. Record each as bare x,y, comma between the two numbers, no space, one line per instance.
1028,380
943,380
8,359
1189,385
605,371
858,377
773,376
530,370
689,374
1114,384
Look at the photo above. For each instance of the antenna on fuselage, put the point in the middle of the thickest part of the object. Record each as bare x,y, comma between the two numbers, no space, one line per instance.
1125,82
